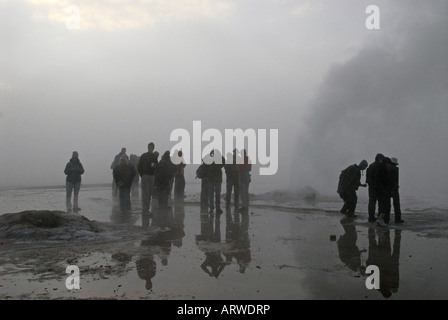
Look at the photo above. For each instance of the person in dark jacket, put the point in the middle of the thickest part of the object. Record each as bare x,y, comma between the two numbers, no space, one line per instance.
384,190
232,180
124,175
215,163
115,163
146,169
164,175
73,170
349,182
179,178
371,175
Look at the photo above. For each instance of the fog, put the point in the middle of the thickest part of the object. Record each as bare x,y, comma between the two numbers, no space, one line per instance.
137,70
390,98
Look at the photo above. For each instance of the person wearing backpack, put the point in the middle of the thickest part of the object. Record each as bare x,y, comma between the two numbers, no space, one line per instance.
73,170
124,175
349,182
214,180
164,175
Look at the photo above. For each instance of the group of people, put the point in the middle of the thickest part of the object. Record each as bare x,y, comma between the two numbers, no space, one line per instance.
237,168
157,178
382,179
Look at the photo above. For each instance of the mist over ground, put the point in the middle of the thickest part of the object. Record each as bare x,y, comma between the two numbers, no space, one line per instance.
390,98
137,70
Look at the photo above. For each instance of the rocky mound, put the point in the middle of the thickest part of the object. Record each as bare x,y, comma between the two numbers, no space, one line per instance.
37,225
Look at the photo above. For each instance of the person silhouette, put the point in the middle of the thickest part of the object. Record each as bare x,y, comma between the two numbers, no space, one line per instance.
209,241
237,236
349,252
146,269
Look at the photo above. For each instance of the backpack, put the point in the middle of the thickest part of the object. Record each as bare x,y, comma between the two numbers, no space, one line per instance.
344,180
201,172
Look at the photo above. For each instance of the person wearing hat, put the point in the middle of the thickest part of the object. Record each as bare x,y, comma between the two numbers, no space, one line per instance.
349,182
124,175
73,170
394,173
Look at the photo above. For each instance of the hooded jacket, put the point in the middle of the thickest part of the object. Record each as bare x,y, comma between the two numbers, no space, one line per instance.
74,170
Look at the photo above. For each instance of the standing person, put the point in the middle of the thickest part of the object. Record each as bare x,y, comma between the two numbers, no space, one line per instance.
134,160
349,182
179,178
214,180
115,163
164,175
146,169
371,174
244,177
395,193
124,174
73,170
384,191
232,180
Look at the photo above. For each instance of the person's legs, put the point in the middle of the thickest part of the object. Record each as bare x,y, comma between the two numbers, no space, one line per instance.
152,181
76,189
352,200
211,194
344,206
166,190
218,196
229,184
244,190
397,208
68,199
204,195
127,198
372,204
387,208
122,198
145,192
114,189
236,194
383,208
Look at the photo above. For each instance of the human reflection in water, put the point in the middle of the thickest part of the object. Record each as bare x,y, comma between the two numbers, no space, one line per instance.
146,268
119,218
159,245
349,252
237,235
385,258
209,241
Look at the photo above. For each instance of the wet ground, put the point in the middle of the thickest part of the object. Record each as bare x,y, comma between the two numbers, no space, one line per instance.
270,253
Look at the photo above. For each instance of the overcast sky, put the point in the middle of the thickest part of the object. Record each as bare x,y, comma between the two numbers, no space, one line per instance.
136,70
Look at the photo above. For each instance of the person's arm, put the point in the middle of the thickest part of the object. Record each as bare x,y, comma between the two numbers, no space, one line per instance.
81,168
